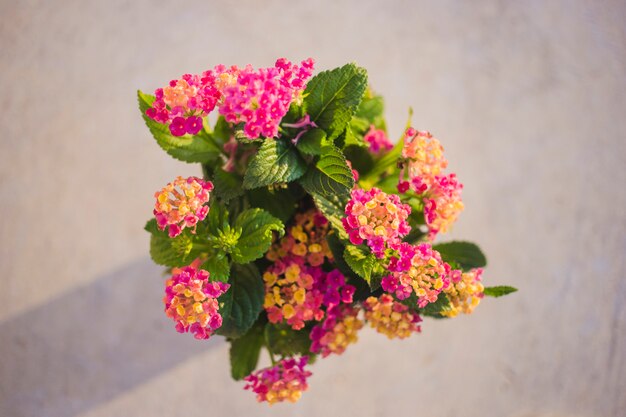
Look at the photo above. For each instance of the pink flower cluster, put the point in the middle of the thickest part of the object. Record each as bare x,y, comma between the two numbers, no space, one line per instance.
191,301
290,292
464,292
442,204
441,194
337,331
417,269
377,140
284,381
390,317
333,288
259,99
182,203
376,217
184,102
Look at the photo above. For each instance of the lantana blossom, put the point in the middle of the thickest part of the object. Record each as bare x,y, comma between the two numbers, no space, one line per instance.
182,203
305,238
290,293
377,140
423,155
391,317
442,204
284,381
191,301
376,217
417,269
464,292
338,330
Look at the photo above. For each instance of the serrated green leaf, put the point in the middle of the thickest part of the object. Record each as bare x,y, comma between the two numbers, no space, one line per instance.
257,227
275,162
311,142
468,255
218,266
164,250
332,207
332,97
371,108
245,351
217,219
241,304
499,290
280,203
228,185
198,148
331,175
365,265
282,340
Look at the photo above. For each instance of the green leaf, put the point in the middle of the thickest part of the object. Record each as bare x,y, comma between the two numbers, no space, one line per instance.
331,175
218,266
175,252
256,227
468,255
332,97
310,143
365,265
198,148
275,162
217,219
245,351
332,207
499,291
282,340
241,304
371,108
279,202
227,184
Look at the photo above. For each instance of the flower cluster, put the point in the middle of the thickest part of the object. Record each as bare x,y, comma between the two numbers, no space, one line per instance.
290,293
377,140
333,288
284,381
390,317
258,98
376,217
306,238
423,154
184,102
464,292
442,203
182,203
191,301
337,331
417,269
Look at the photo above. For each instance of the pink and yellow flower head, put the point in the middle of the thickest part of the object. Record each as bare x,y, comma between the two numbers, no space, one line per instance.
191,301
333,288
424,155
377,140
376,217
184,102
182,203
390,317
260,99
290,292
285,381
306,238
337,331
464,292
442,204
417,269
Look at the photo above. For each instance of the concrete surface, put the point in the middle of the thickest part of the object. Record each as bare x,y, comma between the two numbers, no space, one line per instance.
528,98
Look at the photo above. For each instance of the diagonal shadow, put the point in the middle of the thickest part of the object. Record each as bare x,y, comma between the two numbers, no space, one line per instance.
90,345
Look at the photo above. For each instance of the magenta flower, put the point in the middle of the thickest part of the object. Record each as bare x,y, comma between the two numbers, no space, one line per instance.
285,381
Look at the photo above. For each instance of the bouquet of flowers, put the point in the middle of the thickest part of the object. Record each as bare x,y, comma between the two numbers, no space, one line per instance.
307,223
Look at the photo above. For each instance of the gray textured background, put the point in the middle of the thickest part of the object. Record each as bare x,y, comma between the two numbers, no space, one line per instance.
529,99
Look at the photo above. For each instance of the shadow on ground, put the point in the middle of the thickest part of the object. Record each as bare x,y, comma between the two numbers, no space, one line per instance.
90,345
